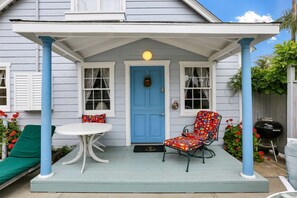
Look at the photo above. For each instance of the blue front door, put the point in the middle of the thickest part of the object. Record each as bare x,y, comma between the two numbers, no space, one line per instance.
147,104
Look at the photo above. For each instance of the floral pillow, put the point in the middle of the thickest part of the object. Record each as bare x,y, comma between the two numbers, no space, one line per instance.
93,118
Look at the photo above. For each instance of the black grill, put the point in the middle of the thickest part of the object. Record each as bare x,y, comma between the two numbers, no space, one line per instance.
268,129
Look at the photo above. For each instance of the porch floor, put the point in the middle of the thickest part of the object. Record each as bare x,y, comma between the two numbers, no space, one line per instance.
145,172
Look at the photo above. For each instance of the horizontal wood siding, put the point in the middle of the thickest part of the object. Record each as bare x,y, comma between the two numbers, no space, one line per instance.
161,10
227,103
23,54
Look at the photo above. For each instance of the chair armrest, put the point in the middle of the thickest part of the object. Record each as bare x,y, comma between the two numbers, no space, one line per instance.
186,131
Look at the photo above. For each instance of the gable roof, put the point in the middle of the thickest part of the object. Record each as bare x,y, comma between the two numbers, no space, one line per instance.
4,4
200,9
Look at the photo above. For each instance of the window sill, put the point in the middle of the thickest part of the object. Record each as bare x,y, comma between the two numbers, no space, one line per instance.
191,113
95,16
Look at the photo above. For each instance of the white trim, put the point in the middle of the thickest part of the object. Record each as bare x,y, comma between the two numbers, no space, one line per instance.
93,16
202,10
247,176
6,66
5,4
164,63
146,29
212,66
110,65
45,176
214,86
79,91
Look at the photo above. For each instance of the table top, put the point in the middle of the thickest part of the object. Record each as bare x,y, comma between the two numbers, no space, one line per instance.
83,128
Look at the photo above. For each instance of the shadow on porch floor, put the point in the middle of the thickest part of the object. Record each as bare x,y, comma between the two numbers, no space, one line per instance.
145,172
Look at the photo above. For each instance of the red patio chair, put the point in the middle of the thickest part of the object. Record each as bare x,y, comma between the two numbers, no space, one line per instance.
206,129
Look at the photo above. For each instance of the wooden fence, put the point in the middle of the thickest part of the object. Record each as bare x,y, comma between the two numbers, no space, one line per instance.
274,106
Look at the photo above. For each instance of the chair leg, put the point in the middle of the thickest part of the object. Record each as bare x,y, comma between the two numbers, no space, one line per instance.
189,158
203,154
164,154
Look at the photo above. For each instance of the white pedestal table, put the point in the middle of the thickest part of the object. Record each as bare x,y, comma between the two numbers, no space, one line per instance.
85,133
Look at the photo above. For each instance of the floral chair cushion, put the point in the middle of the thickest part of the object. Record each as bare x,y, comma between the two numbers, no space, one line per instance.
206,123
94,118
183,143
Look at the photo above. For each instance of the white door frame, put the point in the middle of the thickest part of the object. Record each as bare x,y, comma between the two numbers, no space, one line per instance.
128,64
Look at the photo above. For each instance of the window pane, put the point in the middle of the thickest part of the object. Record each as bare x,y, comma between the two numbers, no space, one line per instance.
106,94
3,101
2,93
88,95
110,5
205,72
205,93
188,104
96,73
106,104
97,94
88,83
205,104
87,5
204,82
89,105
197,104
97,83
2,78
88,73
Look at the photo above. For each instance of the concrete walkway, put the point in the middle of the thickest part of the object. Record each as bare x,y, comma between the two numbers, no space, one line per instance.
268,169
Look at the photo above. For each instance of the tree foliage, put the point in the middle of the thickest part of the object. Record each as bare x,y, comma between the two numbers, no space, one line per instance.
270,79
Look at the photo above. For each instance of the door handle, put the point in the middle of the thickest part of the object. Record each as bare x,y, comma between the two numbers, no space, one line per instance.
162,114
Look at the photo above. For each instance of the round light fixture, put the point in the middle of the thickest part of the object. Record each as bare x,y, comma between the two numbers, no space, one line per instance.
147,55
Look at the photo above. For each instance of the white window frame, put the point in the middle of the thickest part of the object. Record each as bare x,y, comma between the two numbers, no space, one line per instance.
212,100
81,99
6,67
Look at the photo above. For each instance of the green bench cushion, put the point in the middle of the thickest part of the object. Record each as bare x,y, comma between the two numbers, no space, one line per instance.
13,166
28,144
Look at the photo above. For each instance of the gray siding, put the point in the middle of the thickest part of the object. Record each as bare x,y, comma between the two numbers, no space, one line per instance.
161,10
227,103
26,56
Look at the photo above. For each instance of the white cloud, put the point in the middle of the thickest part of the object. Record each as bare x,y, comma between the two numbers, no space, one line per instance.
272,40
251,16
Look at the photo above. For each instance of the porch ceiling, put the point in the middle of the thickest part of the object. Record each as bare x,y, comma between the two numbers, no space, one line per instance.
77,41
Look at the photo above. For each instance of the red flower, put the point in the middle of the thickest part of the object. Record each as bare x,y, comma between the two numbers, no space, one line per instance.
14,140
228,126
12,133
261,153
268,159
257,136
238,133
237,148
236,140
10,146
227,120
254,130
230,119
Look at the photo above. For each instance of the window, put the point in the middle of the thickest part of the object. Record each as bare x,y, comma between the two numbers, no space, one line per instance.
96,10
196,91
98,88
5,86
99,5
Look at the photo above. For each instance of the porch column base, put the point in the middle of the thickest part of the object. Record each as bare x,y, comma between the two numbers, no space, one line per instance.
45,176
248,176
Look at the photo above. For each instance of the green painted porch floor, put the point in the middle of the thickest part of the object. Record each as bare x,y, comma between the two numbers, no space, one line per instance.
145,172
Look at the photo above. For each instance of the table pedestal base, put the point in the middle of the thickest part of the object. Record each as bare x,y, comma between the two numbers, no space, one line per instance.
85,146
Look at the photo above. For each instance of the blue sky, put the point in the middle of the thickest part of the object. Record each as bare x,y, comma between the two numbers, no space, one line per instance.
251,10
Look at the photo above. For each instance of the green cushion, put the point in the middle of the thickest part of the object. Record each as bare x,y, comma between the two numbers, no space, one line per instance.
13,166
28,144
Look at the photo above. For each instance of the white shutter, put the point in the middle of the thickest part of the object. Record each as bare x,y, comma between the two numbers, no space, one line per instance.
36,80
21,91
27,91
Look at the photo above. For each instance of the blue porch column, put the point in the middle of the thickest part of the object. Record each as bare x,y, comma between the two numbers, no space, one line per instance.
46,108
247,110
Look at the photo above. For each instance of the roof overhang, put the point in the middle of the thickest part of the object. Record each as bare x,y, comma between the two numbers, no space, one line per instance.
79,40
